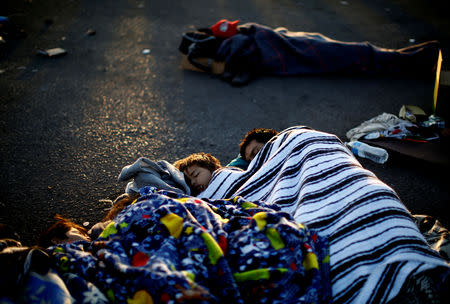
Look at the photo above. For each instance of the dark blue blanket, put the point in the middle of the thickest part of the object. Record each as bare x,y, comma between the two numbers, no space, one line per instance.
260,49
168,246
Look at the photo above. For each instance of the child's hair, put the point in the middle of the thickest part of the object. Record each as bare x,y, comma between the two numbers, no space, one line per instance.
120,203
261,135
58,230
201,159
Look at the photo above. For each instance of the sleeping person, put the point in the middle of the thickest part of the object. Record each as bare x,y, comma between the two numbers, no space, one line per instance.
377,253
198,169
250,145
63,231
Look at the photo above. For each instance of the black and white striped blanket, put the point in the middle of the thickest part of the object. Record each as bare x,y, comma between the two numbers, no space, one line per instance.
375,246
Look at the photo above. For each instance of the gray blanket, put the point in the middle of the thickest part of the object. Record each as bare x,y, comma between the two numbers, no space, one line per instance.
160,174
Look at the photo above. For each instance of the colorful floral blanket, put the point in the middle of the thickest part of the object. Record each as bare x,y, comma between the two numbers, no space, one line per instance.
169,247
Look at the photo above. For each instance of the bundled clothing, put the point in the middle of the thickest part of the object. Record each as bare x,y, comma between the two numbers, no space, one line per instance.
159,174
238,162
380,123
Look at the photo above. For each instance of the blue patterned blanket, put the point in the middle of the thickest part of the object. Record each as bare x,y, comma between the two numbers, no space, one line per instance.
171,247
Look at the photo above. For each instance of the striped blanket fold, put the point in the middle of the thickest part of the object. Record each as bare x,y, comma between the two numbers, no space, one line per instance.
376,248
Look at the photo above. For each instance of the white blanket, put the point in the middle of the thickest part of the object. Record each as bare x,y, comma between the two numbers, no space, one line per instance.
375,246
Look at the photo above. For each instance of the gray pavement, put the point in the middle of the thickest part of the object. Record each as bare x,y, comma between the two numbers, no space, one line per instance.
69,124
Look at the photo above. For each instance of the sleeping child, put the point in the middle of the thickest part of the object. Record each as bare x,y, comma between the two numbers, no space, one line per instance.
198,169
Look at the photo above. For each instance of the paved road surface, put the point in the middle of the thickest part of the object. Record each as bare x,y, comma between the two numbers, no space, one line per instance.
68,125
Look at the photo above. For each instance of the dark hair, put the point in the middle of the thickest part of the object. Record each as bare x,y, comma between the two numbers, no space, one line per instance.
204,160
261,135
58,230
120,203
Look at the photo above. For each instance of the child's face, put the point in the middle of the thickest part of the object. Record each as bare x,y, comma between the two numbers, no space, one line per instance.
72,235
252,149
199,177
76,235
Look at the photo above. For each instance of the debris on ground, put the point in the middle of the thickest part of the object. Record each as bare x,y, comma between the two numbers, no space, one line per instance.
416,135
378,155
91,32
52,52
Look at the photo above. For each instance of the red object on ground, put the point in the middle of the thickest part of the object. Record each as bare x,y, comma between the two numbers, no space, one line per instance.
225,28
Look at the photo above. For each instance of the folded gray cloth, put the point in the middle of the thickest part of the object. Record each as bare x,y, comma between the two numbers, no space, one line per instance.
160,174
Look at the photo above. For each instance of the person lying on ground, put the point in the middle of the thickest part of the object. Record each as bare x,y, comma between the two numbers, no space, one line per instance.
253,49
20,264
250,145
62,231
314,177
198,169
66,231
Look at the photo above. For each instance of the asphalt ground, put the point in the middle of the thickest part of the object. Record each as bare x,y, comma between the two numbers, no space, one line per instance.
69,124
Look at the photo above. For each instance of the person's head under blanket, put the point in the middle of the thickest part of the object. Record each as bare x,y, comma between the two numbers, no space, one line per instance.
63,231
253,141
198,169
